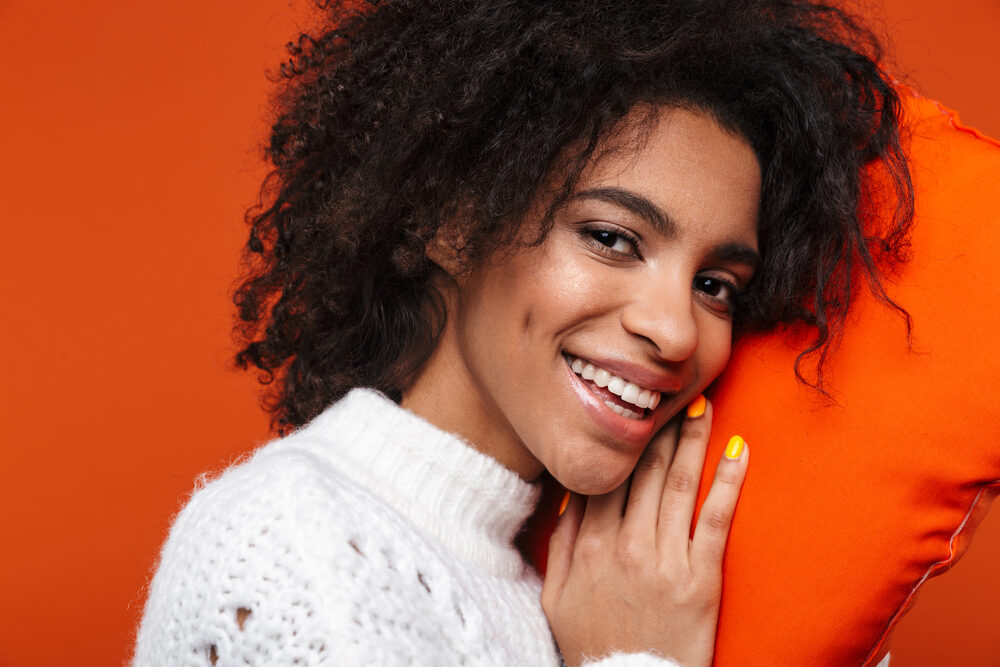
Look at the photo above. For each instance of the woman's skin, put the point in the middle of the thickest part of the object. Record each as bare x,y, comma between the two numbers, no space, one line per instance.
636,277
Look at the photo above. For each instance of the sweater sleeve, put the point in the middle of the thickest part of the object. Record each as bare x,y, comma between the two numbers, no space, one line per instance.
280,562
232,585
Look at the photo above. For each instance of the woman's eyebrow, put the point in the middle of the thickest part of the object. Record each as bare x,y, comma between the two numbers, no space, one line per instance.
658,218
739,253
634,202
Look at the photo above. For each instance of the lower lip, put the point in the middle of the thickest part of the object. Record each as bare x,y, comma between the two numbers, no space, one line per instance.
632,431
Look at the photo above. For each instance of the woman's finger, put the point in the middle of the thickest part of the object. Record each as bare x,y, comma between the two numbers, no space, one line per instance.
709,542
643,506
680,489
561,545
603,513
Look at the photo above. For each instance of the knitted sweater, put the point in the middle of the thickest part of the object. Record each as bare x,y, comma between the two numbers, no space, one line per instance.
368,537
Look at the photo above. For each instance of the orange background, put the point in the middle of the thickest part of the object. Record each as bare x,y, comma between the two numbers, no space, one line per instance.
129,152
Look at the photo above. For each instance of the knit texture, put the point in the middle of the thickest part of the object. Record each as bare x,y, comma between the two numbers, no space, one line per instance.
369,537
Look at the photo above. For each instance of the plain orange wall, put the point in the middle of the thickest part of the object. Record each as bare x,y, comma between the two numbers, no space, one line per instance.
129,152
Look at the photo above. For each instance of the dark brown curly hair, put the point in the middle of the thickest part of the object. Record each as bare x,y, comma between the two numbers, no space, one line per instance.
395,118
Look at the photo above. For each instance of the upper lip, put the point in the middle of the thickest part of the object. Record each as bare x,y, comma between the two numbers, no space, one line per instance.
661,381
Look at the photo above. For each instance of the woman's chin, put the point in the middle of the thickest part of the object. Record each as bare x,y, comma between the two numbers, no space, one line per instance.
594,481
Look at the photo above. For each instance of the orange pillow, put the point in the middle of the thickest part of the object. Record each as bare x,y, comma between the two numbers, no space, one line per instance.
848,508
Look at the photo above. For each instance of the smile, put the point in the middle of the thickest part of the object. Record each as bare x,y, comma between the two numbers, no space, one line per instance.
635,396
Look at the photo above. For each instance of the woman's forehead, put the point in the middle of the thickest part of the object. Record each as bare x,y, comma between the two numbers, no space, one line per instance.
683,166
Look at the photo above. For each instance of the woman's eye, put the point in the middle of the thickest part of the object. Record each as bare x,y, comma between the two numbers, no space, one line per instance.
618,243
716,288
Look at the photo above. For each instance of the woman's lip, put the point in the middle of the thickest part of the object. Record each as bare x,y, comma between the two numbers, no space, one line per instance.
635,374
635,432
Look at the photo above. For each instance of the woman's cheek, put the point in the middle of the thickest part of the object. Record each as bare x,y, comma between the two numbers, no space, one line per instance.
717,346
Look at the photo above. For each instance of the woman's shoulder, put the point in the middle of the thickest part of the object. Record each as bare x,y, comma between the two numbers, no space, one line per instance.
279,541
298,480
284,498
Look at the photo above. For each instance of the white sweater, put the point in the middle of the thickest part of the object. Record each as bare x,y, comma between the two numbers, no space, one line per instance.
368,537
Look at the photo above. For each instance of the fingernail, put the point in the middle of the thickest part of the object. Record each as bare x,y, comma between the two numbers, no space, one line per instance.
735,447
564,503
696,408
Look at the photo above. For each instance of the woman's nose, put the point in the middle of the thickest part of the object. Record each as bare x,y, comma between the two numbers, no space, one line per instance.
664,315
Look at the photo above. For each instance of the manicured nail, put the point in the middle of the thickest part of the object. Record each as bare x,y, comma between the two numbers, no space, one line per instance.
735,447
564,503
696,408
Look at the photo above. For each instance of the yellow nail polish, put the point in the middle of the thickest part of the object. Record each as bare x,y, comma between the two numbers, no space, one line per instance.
696,408
564,503
735,447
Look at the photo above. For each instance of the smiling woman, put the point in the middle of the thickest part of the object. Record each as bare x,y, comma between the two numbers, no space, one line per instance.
501,240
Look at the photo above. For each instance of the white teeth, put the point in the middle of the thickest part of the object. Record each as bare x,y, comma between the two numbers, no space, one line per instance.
623,411
643,400
629,391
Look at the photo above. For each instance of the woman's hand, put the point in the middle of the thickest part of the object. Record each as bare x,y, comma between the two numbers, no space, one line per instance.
623,573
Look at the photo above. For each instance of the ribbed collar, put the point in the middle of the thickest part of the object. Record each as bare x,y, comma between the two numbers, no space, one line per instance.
463,498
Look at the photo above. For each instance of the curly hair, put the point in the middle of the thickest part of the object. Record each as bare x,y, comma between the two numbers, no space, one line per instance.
400,117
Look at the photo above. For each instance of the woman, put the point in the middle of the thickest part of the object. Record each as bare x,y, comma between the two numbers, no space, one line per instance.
508,238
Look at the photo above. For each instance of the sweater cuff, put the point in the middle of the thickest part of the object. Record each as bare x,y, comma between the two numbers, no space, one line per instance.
631,660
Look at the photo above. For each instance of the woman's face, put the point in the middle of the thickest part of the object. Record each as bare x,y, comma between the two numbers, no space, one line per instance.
572,354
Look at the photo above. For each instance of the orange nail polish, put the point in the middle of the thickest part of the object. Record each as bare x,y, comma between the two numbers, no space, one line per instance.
735,447
564,503
696,408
